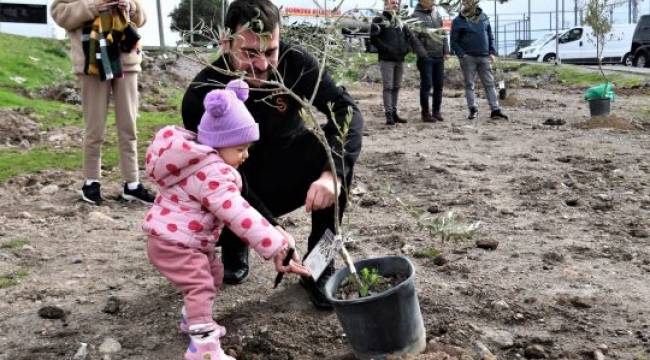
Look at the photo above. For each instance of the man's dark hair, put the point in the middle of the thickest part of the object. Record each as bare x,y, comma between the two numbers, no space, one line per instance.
261,15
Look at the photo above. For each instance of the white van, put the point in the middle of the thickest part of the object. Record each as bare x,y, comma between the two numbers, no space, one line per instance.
578,46
531,52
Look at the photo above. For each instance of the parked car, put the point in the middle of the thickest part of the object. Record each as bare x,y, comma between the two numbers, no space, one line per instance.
531,52
641,42
578,46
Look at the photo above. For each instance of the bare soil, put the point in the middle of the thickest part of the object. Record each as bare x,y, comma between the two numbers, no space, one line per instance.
569,206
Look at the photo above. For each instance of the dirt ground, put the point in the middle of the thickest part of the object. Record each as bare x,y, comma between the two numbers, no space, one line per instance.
568,204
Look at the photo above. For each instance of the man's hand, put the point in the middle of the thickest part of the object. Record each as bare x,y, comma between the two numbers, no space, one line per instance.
295,266
445,56
321,192
492,58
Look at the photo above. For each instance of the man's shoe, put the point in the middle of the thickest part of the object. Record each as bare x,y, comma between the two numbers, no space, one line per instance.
426,117
390,120
316,291
498,115
437,116
472,113
92,193
398,119
235,265
236,276
140,194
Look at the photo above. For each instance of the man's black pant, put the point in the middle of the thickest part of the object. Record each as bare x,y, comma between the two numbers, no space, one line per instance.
280,176
432,74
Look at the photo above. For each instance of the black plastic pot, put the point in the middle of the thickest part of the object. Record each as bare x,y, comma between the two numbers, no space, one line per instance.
388,323
599,107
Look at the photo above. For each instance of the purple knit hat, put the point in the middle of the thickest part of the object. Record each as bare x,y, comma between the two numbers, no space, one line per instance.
226,121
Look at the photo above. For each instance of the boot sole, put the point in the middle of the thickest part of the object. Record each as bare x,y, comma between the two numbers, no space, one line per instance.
84,198
130,198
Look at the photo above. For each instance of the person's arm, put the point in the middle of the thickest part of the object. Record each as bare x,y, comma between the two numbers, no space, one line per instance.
491,49
414,41
137,14
376,30
72,14
455,38
219,193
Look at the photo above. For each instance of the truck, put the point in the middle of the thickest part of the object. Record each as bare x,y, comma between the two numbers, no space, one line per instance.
641,42
578,46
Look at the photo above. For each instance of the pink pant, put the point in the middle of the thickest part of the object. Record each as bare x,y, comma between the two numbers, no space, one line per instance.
197,272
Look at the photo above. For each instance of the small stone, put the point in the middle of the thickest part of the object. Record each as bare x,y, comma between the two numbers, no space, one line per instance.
603,347
579,302
552,258
500,305
535,352
440,260
487,244
100,217
77,260
500,338
482,352
25,215
112,305
110,346
639,233
264,329
572,202
519,316
81,353
598,355
368,202
24,144
51,312
506,212
49,189
433,209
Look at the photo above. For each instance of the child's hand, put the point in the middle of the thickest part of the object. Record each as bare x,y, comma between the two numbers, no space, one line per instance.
295,266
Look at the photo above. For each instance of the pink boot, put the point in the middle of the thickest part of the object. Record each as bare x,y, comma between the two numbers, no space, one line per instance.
206,347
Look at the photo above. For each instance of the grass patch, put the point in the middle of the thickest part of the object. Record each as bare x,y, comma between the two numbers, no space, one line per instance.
535,69
12,279
49,113
14,244
14,162
572,75
430,253
34,62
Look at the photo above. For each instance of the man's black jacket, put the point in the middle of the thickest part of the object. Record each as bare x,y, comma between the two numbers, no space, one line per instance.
393,42
278,114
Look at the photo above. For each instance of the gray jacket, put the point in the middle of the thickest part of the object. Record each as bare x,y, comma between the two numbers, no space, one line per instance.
435,44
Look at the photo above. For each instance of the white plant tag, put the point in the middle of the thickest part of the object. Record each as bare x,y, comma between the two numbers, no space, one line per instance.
323,253
502,84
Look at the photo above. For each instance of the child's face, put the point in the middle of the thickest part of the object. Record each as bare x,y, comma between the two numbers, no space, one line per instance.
234,155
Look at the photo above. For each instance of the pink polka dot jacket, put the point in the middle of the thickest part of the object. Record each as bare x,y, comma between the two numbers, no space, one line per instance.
199,194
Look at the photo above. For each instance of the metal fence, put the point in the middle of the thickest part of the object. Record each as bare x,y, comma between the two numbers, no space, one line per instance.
515,30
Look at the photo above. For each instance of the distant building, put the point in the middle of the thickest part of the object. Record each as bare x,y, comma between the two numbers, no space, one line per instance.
32,18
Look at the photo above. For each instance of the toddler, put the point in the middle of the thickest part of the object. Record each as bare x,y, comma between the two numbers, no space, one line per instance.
199,194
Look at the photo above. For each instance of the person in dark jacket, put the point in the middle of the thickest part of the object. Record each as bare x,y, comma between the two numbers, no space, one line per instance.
430,36
473,43
392,40
287,168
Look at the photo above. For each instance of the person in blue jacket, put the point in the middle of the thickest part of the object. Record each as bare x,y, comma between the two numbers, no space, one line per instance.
473,43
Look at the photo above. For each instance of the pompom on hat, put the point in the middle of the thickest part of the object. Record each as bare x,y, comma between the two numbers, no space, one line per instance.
226,121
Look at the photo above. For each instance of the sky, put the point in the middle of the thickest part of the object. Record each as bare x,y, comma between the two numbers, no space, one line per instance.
514,7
